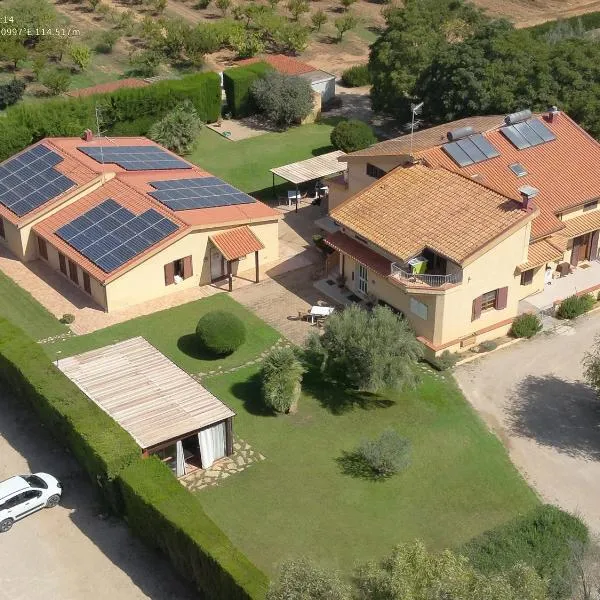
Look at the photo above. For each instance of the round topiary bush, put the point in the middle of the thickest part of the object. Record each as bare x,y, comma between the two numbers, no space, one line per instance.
352,135
356,76
220,333
526,326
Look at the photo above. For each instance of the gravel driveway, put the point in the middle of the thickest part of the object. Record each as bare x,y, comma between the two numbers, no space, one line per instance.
533,397
69,552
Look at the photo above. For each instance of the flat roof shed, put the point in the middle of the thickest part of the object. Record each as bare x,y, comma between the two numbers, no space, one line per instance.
154,400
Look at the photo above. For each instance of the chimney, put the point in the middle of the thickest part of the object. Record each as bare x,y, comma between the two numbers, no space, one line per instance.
88,135
553,113
528,193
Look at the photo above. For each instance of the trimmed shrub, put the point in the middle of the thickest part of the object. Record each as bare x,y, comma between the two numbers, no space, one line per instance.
526,326
487,346
352,135
386,455
237,83
446,360
67,319
542,539
220,332
356,76
574,306
168,517
281,377
98,443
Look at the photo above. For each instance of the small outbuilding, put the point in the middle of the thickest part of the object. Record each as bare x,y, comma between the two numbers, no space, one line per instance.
167,412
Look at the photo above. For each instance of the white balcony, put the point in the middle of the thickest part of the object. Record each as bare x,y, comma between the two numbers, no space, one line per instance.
425,279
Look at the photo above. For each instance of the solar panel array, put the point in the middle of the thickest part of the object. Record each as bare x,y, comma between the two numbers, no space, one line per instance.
29,180
471,150
135,158
199,192
527,134
110,235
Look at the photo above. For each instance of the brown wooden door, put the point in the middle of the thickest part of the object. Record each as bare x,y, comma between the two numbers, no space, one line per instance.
594,245
577,245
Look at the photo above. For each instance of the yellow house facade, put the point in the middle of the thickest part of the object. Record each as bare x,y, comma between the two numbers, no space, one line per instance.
141,227
429,245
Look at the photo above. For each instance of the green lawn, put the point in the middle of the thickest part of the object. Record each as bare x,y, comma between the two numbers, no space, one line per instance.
298,502
172,332
246,163
26,312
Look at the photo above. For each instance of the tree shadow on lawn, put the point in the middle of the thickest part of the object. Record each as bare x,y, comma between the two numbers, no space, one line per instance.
354,465
188,344
250,394
564,415
336,398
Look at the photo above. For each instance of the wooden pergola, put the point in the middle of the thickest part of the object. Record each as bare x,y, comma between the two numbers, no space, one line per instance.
237,243
310,169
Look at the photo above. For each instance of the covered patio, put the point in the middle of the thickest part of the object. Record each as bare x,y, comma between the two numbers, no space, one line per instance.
311,169
167,412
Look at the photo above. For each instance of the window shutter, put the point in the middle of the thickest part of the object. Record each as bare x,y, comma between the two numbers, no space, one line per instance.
188,269
169,273
527,277
476,309
501,298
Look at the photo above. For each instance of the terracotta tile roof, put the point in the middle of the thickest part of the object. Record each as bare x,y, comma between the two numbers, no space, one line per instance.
123,195
105,88
566,171
360,253
73,169
428,138
281,63
539,253
235,243
581,225
417,207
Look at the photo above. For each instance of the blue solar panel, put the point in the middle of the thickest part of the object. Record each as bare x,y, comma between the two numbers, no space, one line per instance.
135,158
471,150
527,134
110,235
29,180
199,192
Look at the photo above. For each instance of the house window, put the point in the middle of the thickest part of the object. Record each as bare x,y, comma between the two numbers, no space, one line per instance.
418,308
2,232
73,272
42,248
590,206
375,172
62,262
527,277
178,270
488,300
86,283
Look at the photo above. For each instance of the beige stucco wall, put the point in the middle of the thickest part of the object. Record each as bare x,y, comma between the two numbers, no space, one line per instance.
576,212
147,280
12,239
449,311
357,170
537,283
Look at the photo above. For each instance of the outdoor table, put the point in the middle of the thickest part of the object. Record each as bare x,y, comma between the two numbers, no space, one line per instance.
320,311
293,195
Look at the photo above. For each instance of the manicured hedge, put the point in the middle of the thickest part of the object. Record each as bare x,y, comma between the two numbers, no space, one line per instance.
97,442
127,110
220,332
166,516
588,21
237,82
541,539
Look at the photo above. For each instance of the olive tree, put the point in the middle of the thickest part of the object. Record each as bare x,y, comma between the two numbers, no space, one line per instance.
367,350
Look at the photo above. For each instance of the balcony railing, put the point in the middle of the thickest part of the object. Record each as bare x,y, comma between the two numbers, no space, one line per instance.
429,280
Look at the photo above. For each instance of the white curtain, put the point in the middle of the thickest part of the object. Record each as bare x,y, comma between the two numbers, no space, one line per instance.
180,460
212,444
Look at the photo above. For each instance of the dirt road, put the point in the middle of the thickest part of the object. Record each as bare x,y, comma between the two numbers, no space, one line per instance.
68,552
533,397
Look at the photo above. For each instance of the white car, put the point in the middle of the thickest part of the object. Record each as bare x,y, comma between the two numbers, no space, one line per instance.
24,494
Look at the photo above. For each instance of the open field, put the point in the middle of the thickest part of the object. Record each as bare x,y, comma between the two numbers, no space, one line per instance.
298,502
246,163
172,332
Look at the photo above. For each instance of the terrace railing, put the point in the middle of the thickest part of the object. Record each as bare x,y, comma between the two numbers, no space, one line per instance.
426,279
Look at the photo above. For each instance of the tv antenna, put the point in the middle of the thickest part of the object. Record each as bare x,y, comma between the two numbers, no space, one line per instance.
415,110
100,132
